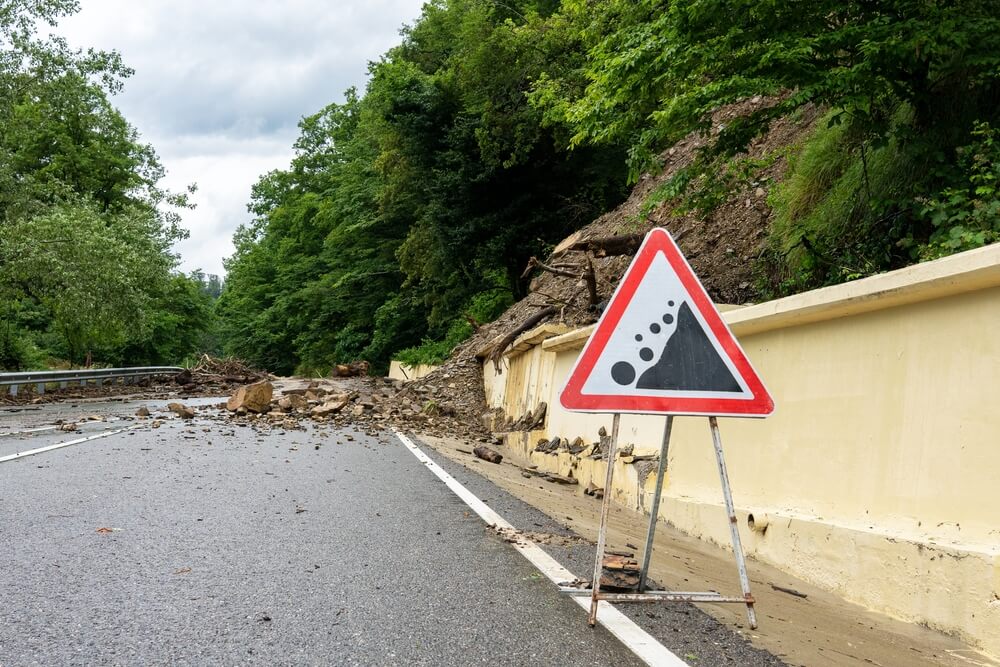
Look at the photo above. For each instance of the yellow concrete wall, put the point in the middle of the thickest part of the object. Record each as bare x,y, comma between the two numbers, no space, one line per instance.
406,372
880,470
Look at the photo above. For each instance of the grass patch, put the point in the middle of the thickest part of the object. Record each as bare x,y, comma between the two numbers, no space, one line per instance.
842,209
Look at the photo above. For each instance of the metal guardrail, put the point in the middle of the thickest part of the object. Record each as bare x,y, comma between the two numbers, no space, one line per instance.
98,375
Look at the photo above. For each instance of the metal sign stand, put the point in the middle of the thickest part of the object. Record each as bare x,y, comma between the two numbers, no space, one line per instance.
665,596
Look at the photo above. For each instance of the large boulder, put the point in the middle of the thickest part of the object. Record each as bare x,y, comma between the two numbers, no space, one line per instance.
254,397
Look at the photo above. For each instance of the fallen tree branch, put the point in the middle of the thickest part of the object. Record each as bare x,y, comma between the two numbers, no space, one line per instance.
496,354
533,264
591,279
552,300
587,275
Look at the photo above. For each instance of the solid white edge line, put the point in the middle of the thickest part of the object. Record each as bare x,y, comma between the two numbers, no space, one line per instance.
29,431
56,427
637,640
40,450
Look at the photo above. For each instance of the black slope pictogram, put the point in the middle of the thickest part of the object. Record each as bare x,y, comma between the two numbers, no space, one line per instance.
689,361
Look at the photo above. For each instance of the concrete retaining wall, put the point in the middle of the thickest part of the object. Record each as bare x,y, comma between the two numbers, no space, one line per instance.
400,371
878,477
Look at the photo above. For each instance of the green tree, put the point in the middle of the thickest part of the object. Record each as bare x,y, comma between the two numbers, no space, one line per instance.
414,204
908,80
85,230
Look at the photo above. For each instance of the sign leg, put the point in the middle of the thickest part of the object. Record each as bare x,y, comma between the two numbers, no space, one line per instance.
602,533
655,509
734,532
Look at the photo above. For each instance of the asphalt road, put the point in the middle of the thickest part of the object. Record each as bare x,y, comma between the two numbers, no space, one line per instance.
204,543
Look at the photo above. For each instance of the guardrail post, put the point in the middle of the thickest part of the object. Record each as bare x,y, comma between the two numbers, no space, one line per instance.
40,387
13,390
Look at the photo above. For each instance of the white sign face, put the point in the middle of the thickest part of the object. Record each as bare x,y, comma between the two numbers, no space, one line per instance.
661,347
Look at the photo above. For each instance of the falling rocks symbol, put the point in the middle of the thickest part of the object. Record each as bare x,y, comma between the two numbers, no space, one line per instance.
662,347
689,362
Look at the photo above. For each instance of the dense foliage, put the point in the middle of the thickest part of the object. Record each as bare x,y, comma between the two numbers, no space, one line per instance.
905,166
488,134
86,269
496,128
414,208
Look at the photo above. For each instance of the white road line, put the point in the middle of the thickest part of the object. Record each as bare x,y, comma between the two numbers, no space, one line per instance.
621,626
32,452
56,427
29,431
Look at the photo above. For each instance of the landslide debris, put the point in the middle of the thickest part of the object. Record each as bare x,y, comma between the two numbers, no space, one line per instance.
573,284
372,404
254,397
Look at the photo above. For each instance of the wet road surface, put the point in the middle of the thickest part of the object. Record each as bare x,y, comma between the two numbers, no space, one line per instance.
203,542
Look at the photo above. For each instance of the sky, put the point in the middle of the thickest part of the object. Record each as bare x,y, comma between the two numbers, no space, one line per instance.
220,86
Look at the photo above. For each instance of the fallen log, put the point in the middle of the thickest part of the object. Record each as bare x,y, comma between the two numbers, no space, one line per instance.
609,246
487,454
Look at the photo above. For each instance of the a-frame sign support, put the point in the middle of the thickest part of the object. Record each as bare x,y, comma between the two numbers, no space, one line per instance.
643,595
701,370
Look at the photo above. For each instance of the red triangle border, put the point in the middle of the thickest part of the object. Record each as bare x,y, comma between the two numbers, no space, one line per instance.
659,241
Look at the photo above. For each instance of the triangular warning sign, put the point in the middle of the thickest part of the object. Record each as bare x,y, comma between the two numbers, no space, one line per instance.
661,347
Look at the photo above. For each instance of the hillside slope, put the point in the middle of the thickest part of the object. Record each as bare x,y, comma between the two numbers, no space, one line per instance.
722,246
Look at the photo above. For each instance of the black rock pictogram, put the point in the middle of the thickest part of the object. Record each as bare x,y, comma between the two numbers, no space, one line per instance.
689,361
623,373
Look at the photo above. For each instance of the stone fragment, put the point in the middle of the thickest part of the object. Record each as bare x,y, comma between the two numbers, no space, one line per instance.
142,412
619,572
181,410
332,406
292,402
254,397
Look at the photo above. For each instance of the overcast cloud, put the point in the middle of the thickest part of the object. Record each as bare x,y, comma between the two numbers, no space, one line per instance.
221,84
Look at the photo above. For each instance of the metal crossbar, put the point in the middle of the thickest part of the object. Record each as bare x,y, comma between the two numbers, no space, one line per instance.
643,595
40,378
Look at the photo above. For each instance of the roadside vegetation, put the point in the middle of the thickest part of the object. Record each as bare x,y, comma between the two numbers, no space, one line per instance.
497,128
490,133
86,268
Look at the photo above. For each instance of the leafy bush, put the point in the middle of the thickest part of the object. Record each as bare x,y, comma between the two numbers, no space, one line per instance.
17,353
966,215
484,307
847,206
